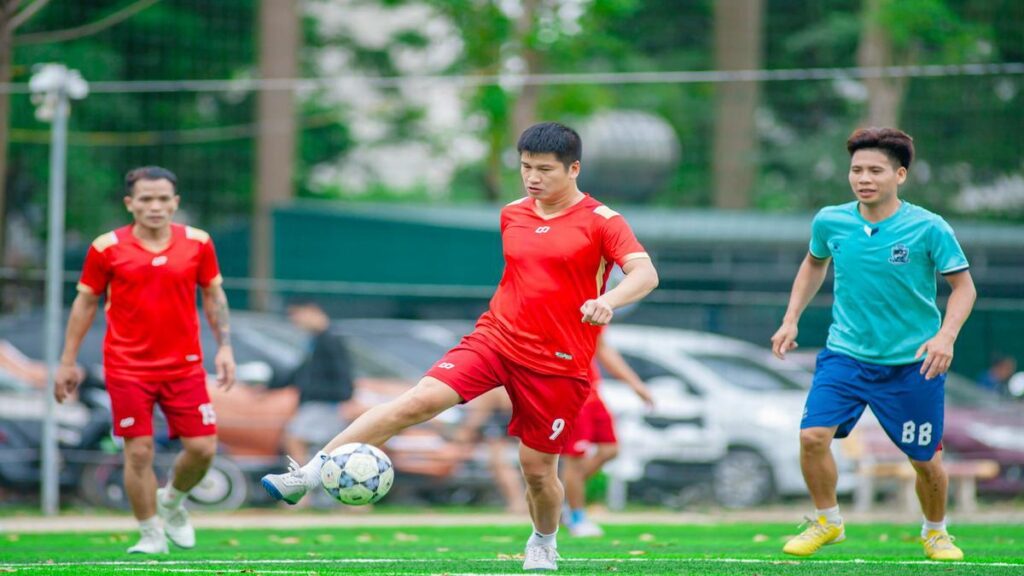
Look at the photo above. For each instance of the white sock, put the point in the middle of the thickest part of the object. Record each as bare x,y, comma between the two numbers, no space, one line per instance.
172,497
928,526
312,469
538,539
831,515
151,523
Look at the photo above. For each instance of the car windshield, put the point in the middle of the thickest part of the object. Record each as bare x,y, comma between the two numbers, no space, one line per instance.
747,373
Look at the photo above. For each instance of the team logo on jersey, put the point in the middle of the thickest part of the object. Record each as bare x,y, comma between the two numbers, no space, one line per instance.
446,365
543,229
159,261
126,422
900,254
834,246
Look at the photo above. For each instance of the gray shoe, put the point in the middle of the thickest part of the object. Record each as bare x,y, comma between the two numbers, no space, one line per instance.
289,487
540,557
176,525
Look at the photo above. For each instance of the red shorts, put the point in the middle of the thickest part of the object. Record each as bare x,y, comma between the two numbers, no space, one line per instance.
185,402
594,425
544,406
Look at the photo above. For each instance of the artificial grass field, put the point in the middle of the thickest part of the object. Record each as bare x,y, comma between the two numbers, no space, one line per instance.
725,549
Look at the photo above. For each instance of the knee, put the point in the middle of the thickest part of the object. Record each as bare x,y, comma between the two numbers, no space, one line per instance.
138,454
539,474
815,440
930,471
203,451
423,402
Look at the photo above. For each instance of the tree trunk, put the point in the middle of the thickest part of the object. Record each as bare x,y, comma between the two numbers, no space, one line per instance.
275,144
7,8
525,112
885,95
737,47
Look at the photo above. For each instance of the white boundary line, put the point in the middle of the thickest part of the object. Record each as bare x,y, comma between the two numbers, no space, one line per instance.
358,561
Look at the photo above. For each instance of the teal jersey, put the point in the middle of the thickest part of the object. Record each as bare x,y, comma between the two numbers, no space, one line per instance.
884,306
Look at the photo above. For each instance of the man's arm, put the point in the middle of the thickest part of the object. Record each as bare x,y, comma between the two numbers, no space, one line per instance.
618,368
808,281
215,304
83,311
641,278
938,350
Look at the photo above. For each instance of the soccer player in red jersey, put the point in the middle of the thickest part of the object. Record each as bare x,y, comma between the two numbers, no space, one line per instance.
536,339
148,272
592,442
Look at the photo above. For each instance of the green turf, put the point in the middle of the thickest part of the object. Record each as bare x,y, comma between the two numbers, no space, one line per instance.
729,549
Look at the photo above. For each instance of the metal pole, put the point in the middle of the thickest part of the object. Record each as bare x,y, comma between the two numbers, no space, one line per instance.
54,292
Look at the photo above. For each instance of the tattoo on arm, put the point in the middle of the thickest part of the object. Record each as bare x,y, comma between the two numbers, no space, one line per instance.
217,315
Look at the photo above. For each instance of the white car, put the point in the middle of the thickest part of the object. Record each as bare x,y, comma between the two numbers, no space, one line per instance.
747,404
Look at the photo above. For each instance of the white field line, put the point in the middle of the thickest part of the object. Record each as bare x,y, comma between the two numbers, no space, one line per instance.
322,562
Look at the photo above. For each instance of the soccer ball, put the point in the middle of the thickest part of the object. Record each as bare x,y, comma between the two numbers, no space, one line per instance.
357,474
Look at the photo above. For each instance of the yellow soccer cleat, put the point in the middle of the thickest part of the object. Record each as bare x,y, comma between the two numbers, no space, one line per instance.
817,534
939,546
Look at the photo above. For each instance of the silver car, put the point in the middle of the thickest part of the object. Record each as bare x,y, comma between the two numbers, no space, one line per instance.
747,402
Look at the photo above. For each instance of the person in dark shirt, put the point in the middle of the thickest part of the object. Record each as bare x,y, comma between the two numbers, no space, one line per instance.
323,379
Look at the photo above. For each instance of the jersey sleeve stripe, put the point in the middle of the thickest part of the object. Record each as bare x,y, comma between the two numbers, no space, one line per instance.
215,281
954,270
605,211
635,256
83,287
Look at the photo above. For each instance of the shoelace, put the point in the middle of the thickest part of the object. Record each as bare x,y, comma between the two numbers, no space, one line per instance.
543,553
178,516
813,526
294,473
940,541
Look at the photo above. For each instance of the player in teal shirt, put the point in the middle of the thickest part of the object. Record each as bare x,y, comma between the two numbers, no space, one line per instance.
888,347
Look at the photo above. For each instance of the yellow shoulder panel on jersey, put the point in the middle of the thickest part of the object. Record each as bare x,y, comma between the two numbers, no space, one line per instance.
514,202
605,211
104,241
196,234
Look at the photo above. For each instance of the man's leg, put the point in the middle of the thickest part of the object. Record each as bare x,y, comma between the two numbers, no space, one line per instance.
820,475
427,399
575,473
544,495
818,465
140,486
932,487
189,469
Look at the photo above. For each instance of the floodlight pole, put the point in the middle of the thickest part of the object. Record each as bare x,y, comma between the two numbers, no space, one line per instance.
53,85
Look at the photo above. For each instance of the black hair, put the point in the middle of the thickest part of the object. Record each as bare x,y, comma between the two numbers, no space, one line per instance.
148,173
552,138
896,144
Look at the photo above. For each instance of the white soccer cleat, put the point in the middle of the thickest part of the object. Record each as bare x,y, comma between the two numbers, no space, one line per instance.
153,541
289,487
585,529
176,525
541,557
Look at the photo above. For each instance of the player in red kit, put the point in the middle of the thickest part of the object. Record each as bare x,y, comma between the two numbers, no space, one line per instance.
148,271
592,442
536,339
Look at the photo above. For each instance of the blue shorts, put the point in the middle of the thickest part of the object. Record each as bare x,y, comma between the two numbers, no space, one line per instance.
909,408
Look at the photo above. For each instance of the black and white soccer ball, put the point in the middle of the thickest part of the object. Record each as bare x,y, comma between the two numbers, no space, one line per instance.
357,474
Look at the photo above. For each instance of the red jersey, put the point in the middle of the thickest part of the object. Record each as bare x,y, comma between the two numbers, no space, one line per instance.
553,266
152,320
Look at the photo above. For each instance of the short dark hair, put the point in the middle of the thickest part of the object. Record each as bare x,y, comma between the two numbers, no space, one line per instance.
148,173
896,144
553,138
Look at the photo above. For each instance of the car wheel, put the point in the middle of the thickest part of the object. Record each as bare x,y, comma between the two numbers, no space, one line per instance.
223,488
742,478
102,484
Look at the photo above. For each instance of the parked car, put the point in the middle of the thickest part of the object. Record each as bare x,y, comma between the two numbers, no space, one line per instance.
752,400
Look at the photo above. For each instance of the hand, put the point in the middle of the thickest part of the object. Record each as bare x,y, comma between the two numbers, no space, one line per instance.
784,340
938,356
596,312
66,381
645,394
225,363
